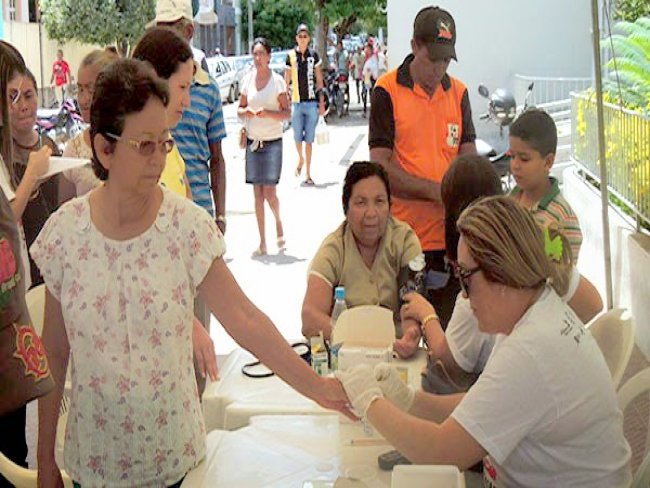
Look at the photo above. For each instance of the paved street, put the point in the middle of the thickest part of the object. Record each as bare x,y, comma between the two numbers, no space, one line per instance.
276,283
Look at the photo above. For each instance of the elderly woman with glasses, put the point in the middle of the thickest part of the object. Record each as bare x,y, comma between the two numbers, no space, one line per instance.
544,411
122,266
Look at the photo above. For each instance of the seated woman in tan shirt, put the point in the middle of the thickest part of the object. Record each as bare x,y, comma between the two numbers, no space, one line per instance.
366,255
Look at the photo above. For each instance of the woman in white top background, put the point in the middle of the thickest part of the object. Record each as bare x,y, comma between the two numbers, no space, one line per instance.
263,105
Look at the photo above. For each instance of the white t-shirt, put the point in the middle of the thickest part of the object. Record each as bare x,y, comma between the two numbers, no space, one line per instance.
10,195
371,68
263,129
469,346
545,409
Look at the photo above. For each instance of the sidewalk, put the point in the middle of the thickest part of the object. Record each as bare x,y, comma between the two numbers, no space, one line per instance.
276,283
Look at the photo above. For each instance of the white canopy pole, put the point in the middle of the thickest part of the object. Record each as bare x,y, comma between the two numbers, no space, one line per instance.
604,192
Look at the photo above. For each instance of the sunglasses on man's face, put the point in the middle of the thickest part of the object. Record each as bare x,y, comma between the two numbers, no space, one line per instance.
464,275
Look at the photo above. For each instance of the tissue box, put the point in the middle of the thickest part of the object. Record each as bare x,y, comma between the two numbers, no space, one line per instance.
350,356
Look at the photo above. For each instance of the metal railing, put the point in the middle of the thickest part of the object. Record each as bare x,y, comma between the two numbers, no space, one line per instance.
552,94
627,151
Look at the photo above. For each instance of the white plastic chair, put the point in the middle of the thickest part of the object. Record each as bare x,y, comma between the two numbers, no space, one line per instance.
367,325
22,477
615,337
639,384
427,476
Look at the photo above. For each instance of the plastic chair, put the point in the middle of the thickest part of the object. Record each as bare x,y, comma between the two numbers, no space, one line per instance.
369,325
427,476
35,299
637,385
615,338
22,477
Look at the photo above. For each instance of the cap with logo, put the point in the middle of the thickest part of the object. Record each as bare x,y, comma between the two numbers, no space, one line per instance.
436,28
302,28
168,11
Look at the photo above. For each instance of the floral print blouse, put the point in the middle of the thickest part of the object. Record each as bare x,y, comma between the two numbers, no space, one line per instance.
135,417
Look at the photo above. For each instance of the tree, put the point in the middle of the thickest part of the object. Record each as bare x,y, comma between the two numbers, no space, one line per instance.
630,10
629,68
103,22
276,20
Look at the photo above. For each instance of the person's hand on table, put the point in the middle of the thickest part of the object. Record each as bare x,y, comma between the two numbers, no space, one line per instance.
400,394
361,387
331,395
416,307
206,358
407,345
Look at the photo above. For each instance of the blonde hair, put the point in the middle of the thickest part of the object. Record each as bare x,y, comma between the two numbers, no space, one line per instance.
99,59
508,245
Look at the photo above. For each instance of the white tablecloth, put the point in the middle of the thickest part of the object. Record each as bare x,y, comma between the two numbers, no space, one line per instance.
228,404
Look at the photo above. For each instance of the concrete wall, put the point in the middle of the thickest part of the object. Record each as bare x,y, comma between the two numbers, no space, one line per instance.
500,38
25,37
630,252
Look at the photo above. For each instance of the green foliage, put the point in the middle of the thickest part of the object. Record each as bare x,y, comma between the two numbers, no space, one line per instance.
631,10
627,149
343,15
103,22
277,20
630,63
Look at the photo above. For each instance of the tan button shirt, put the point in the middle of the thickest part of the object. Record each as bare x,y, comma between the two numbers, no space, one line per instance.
339,262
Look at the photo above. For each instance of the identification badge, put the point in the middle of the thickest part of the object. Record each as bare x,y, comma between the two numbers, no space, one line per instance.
453,135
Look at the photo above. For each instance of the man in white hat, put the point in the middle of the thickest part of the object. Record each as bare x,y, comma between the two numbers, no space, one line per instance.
199,133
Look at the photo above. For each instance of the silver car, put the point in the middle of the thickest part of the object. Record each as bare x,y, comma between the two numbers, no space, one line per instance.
226,76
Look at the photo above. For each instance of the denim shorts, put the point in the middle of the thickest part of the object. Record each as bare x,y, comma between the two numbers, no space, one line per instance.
263,166
304,120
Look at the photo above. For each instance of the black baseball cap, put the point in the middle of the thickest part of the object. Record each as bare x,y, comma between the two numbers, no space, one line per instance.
301,28
436,28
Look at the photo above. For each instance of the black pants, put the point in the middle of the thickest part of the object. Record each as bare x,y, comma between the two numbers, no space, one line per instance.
13,442
359,87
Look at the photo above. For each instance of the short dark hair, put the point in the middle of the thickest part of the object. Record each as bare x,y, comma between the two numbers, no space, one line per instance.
536,128
122,89
468,178
360,170
164,49
264,43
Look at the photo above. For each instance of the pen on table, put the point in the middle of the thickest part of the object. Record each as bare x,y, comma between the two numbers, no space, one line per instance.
367,441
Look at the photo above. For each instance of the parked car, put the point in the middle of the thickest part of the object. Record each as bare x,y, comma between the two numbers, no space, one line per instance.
278,62
225,75
241,65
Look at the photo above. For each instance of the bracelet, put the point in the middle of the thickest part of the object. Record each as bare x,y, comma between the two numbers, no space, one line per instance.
221,218
431,316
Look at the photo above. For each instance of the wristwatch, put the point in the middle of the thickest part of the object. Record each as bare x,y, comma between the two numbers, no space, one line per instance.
221,218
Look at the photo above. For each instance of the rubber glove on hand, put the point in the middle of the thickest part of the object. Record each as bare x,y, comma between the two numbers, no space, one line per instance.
393,388
360,386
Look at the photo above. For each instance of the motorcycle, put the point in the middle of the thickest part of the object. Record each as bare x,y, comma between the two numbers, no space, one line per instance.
60,125
502,111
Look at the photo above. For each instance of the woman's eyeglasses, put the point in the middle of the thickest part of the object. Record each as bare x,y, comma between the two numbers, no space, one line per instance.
146,148
464,275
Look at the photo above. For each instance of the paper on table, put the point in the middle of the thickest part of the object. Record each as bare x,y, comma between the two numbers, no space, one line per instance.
58,164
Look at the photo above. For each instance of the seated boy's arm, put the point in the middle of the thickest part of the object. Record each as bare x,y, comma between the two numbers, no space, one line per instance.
316,307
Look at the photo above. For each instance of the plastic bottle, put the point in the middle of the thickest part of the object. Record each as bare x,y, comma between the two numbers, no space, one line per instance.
337,310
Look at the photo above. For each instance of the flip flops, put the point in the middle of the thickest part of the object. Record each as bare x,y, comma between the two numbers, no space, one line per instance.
299,169
282,242
260,251
309,182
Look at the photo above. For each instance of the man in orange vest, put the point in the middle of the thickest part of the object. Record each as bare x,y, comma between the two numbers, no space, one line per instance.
420,121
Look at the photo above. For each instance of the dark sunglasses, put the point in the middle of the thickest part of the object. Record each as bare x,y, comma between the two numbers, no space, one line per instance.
464,275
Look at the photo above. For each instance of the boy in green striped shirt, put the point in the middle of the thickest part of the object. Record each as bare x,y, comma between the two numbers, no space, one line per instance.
533,143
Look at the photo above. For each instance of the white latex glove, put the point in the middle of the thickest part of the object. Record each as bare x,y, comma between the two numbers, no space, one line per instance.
360,386
393,387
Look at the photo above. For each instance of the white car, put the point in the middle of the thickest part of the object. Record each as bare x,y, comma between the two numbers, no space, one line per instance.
222,71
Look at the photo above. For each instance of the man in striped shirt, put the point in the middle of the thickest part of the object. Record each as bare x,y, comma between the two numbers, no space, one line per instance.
199,133
533,143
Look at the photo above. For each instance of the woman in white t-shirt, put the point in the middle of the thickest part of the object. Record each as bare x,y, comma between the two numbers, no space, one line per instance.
544,410
263,106
458,354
